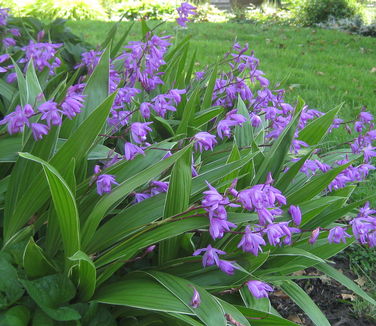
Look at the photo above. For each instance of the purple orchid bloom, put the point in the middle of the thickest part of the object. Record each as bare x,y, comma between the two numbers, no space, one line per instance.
259,289
140,131
104,183
338,235
210,257
204,141
251,241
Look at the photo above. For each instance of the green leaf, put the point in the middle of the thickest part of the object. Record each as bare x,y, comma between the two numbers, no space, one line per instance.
261,304
6,90
177,201
261,318
65,206
275,157
345,281
286,179
186,319
124,189
143,293
233,314
35,262
86,275
15,316
189,112
204,116
209,311
314,132
96,91
208,96
315,186
244,133
9,147
51,293
329,215
40,318
10,288
120,43
165,230
302,299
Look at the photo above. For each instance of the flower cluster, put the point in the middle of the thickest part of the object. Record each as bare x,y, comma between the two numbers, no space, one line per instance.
263,199
49,112
185,10
43,56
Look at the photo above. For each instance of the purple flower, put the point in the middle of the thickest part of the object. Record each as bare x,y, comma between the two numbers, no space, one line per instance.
296,214
125,96
140,131
40,35
368,153
184,11
73,102
4,13
39,130
314,235
199,75
227,267
140,196
131,151
219,226
43,55
196,300
175,94
251,241
255,120
365,117
259,289
158,187
210,257
16,120
204,141
213,199
145,109
90,60
15,32
50,113
104,183
232,119
8,42
263,199
338,234
275,234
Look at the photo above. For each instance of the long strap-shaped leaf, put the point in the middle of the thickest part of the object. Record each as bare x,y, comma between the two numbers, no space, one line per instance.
110,200
141,292
177,201
65,206
302,299
209,311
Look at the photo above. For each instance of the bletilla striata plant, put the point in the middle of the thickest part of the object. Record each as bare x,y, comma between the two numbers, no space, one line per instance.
136,190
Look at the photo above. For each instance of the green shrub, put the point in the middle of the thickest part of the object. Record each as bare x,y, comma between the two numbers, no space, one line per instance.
310,12
68,9
137,9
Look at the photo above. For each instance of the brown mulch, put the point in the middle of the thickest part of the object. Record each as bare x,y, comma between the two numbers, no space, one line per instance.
331,297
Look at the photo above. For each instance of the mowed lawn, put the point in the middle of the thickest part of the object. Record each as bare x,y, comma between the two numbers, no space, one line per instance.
324,67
